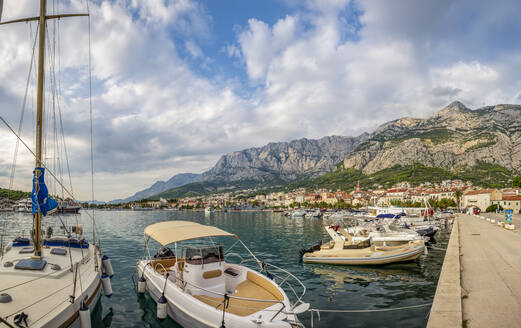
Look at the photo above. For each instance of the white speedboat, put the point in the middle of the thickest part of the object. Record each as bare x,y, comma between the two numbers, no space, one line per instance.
313,214
24,206
49,280
200,287
380,234
141,208
298,214
342,249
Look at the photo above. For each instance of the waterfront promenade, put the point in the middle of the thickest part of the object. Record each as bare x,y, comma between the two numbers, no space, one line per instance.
490,277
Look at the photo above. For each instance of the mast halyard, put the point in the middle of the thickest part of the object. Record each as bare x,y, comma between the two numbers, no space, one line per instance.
39,123
39,165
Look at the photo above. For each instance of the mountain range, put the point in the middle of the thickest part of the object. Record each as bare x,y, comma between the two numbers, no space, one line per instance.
177,180
452,138
455,137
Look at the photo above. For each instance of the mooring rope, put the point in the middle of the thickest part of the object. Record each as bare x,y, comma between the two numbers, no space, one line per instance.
437,248
312,311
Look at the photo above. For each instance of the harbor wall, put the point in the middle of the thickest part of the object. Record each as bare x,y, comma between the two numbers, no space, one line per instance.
446,309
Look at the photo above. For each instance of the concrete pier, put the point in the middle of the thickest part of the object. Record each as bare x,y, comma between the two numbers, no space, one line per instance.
446,309
489,281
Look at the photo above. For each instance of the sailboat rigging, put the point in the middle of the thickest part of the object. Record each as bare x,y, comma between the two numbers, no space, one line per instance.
50,280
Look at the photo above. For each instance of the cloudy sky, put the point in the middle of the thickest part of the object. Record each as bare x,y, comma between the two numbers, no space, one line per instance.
178,83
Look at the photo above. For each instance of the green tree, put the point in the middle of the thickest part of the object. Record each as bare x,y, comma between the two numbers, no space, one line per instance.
517,181
458,194
493,208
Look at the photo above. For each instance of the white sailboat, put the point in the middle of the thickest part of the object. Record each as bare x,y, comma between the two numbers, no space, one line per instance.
49,280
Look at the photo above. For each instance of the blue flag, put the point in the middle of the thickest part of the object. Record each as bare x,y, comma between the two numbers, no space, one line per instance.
41,201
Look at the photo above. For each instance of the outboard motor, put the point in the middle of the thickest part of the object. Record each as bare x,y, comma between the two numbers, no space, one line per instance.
315,247
164,252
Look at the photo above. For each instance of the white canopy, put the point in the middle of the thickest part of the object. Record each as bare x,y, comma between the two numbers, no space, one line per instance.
174,231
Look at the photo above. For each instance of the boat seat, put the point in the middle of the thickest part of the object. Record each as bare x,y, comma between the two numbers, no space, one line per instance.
212,274
254,287
327,246
161,265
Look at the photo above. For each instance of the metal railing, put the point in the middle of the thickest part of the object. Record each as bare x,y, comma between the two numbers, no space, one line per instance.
281,277
179,281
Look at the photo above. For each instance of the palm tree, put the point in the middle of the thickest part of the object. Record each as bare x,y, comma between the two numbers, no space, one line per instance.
458,194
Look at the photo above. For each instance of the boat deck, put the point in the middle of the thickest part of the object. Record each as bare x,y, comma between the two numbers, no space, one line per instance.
254,287
42,294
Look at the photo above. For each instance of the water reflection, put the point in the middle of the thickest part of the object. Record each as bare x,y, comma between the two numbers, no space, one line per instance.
274,238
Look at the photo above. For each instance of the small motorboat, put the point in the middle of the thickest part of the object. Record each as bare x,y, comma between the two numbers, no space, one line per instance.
343,250
298,214
426,230
379,233
200,287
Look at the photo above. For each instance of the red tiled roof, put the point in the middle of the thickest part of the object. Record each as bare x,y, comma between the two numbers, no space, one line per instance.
511,198
479,192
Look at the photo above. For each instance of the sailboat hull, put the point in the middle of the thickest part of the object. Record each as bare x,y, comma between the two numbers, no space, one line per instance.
45,295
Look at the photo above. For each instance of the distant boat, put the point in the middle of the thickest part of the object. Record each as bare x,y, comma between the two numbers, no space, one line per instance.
208,210
68,207
298,214
140,208
343,250
24,205
381,234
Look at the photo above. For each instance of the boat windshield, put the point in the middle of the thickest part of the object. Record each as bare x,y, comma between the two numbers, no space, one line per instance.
204,255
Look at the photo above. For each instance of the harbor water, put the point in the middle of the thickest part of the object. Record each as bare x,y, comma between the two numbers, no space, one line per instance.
275,239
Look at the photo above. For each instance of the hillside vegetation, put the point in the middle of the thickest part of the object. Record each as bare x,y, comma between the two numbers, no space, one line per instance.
484,174
13,194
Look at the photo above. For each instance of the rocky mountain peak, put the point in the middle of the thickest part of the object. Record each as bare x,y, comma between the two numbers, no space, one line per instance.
453,137
284,160
456,104
454,108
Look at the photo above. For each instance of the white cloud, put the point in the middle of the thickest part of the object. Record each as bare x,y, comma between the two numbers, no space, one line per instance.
314,72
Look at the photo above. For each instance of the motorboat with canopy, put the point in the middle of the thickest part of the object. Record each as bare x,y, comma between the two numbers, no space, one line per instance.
197,283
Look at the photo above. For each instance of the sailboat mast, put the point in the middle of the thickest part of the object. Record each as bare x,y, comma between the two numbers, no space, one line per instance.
39,120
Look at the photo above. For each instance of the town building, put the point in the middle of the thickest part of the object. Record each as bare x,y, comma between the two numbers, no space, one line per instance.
481,198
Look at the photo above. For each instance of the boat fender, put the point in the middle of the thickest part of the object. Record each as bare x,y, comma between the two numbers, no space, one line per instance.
161,307
78,229
425,251
107,286
107,265
141,285
85,316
